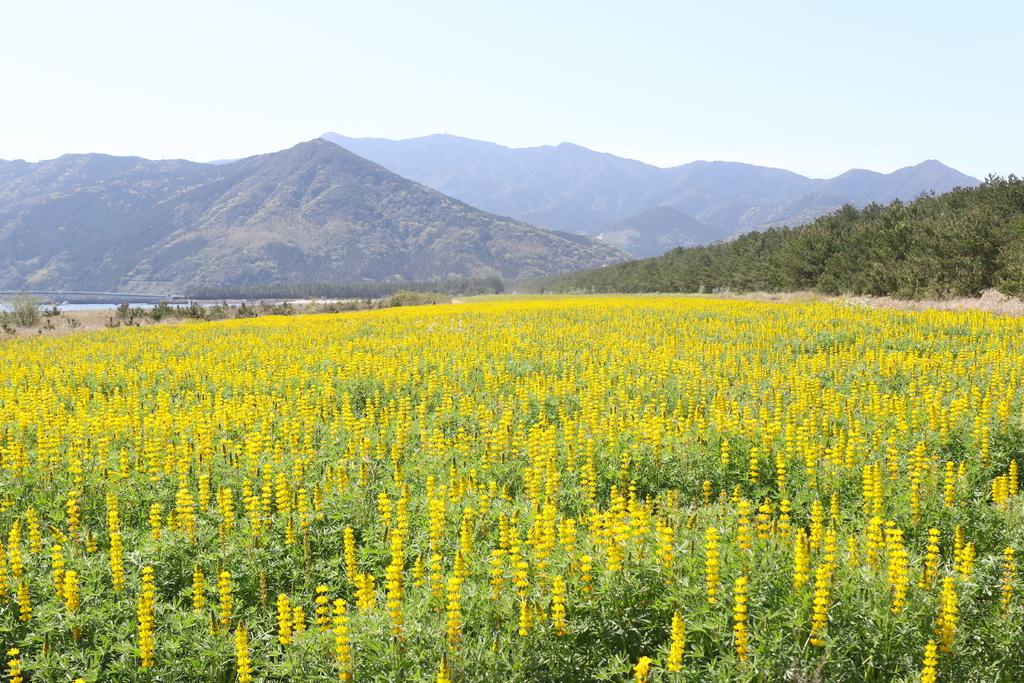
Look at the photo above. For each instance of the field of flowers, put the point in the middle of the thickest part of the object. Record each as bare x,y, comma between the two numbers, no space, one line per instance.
607,489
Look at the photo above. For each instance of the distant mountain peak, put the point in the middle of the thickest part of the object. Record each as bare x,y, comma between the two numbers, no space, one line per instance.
314,212
573,188
656,230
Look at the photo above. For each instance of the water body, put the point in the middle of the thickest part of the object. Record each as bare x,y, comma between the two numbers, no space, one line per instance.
98,307
111,306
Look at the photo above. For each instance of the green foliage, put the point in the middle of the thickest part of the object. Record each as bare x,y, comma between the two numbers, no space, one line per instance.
245,311
194,311
209,429
406,298
956,244
24,311
282,308
160,311
350,290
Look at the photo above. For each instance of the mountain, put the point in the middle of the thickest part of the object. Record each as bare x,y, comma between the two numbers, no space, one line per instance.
657,230
566,187
572,188
863,187
315,212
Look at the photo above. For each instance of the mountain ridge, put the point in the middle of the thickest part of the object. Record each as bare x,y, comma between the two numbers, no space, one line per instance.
311,212
655,231
573,188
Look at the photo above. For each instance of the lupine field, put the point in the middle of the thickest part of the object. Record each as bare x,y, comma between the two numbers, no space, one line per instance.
579,489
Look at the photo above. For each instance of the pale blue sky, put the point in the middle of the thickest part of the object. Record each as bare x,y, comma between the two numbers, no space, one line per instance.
816,87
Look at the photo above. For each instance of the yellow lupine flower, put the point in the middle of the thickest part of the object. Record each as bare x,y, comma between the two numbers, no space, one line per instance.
711,561
342,641
820,604
741,639
14,665
642,669
284,620
225,606
558,604
931,661
147,599
948,611
1009,577
677,646
243,661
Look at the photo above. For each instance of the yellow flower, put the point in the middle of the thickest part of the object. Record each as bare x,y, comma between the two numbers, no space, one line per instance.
801,560
711,560
642,670
14,665
1009,576
739,618
284,620
242,659
819,614
558,601
931,661
677,646
342,641
323,606
443,676
198,589
454,610
948,611
147,599
225,601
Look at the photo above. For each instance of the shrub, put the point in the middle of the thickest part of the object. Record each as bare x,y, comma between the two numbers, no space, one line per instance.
218,311
24,311
245,311
283,308
194,311
160,311
407,298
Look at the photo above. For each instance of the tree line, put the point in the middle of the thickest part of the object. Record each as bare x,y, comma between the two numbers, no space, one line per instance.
955,244
351,290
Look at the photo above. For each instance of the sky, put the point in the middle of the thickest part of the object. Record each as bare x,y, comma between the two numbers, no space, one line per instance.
816,87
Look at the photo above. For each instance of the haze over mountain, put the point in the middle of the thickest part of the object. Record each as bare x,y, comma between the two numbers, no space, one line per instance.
314,212
568,187
657,230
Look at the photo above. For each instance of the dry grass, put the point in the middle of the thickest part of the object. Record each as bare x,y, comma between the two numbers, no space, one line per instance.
990,301
69,322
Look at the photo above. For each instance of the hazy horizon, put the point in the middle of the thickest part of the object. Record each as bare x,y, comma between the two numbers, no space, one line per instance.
811,89
556,144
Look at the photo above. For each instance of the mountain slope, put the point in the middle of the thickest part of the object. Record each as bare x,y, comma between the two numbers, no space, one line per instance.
64,220
566,187
955,244
657,230
572,188
314,212
863,187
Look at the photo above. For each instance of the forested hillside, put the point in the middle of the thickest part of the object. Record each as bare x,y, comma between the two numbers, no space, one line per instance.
955,244
311,213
